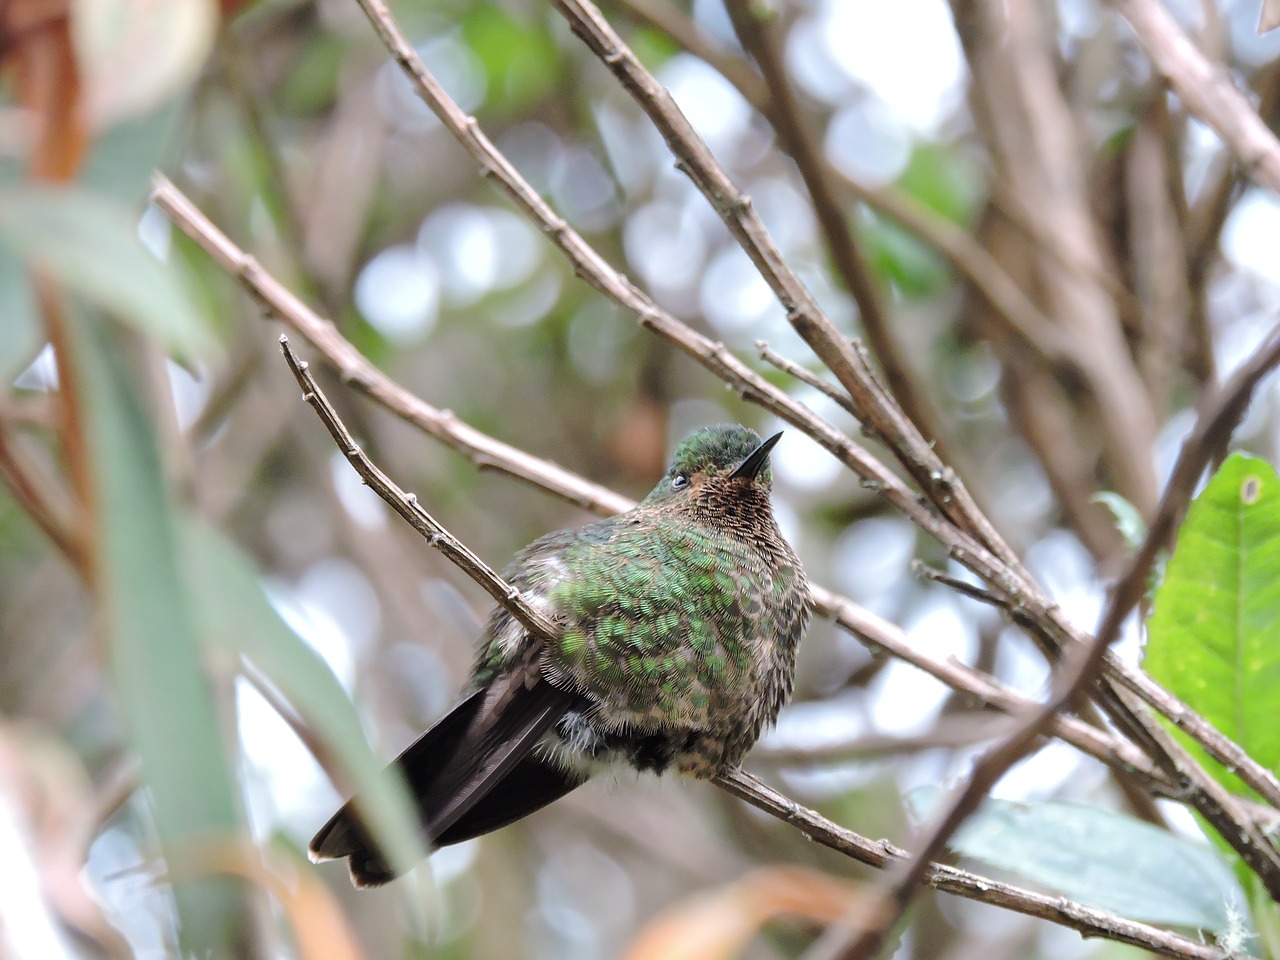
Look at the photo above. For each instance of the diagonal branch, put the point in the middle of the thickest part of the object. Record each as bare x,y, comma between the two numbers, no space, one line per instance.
407,505
41,501
805,376
666,17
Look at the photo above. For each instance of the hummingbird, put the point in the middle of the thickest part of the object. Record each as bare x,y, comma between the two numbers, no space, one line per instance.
679,622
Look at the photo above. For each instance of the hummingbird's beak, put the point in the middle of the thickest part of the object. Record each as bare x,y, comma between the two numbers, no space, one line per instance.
756,459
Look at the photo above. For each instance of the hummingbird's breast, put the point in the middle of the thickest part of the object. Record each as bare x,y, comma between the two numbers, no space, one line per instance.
672,629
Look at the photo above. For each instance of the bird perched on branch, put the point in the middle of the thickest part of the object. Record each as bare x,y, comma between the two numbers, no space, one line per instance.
680,621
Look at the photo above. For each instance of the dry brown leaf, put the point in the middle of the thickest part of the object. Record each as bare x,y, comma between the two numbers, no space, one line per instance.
718,924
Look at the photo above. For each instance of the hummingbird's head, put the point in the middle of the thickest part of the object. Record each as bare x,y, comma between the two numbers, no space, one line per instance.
717,463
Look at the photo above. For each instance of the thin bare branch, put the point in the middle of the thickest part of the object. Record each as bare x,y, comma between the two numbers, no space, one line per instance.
70,420
407,505
1205,222
805,376
666,17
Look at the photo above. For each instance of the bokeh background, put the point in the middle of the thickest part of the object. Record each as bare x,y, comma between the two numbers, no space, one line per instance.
288,125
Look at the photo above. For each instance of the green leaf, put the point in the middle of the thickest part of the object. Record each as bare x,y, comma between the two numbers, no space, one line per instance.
236,617
1105,860
1266,916
1129,522
163,695
1212,638
90,246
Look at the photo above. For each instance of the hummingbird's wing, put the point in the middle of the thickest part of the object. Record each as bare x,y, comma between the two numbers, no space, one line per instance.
472,772
531,784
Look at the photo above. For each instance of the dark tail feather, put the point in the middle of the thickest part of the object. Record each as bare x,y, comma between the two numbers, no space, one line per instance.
472,772
344,835
530,785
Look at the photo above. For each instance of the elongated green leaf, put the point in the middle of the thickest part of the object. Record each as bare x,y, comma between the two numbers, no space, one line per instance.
236,616
1214,636
1106,860
89,245
163,696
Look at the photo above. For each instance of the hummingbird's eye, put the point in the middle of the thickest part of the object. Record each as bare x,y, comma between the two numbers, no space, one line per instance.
679,481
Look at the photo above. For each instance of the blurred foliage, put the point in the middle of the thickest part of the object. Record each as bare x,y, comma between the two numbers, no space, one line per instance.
519,60
903,260
942,179
89,246
151,629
